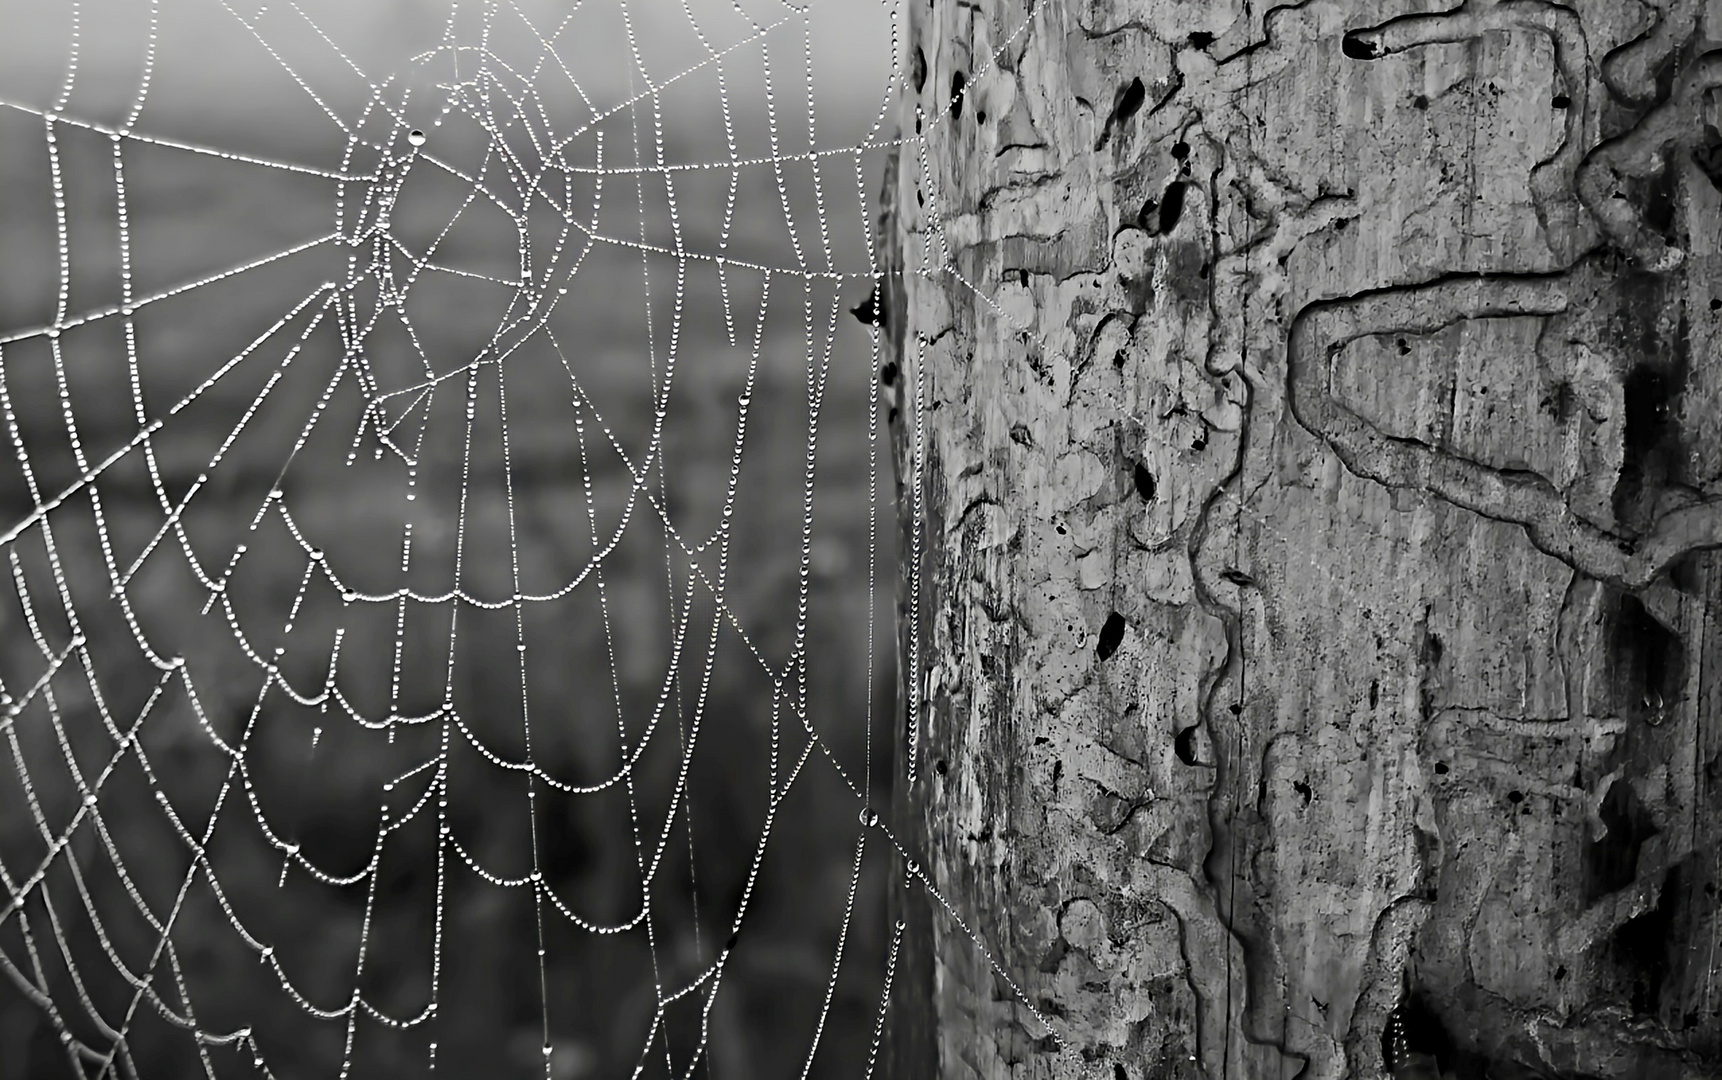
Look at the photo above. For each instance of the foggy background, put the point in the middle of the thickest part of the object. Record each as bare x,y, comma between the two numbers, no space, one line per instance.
240,465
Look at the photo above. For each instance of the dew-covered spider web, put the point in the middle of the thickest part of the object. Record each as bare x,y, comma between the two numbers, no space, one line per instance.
424,647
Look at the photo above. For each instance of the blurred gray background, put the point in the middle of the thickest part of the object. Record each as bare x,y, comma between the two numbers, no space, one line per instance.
445,388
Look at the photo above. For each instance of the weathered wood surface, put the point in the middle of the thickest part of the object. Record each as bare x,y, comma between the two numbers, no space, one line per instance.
1306,422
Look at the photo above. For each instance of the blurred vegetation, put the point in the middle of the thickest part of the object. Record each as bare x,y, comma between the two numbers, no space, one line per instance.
241,752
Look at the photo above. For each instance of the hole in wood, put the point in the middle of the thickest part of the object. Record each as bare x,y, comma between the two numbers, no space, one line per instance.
1184,745
1111,636
1144,481
1130,99
1171,207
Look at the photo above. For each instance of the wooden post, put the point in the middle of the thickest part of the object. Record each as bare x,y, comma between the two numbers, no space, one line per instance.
1306,421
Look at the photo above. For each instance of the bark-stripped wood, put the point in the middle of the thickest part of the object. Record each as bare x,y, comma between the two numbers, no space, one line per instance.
1306,422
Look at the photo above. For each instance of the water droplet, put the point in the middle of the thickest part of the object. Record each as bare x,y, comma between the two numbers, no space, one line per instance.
416,137
913,869
90,799
869,817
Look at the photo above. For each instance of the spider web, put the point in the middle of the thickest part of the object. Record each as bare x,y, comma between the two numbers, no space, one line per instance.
420,619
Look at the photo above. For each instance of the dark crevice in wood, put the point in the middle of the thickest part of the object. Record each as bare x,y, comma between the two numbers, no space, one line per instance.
1125,105
1171,208
1611,864
1111,636
1144,482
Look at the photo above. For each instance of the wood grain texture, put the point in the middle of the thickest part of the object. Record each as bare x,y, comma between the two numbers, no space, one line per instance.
1306,427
